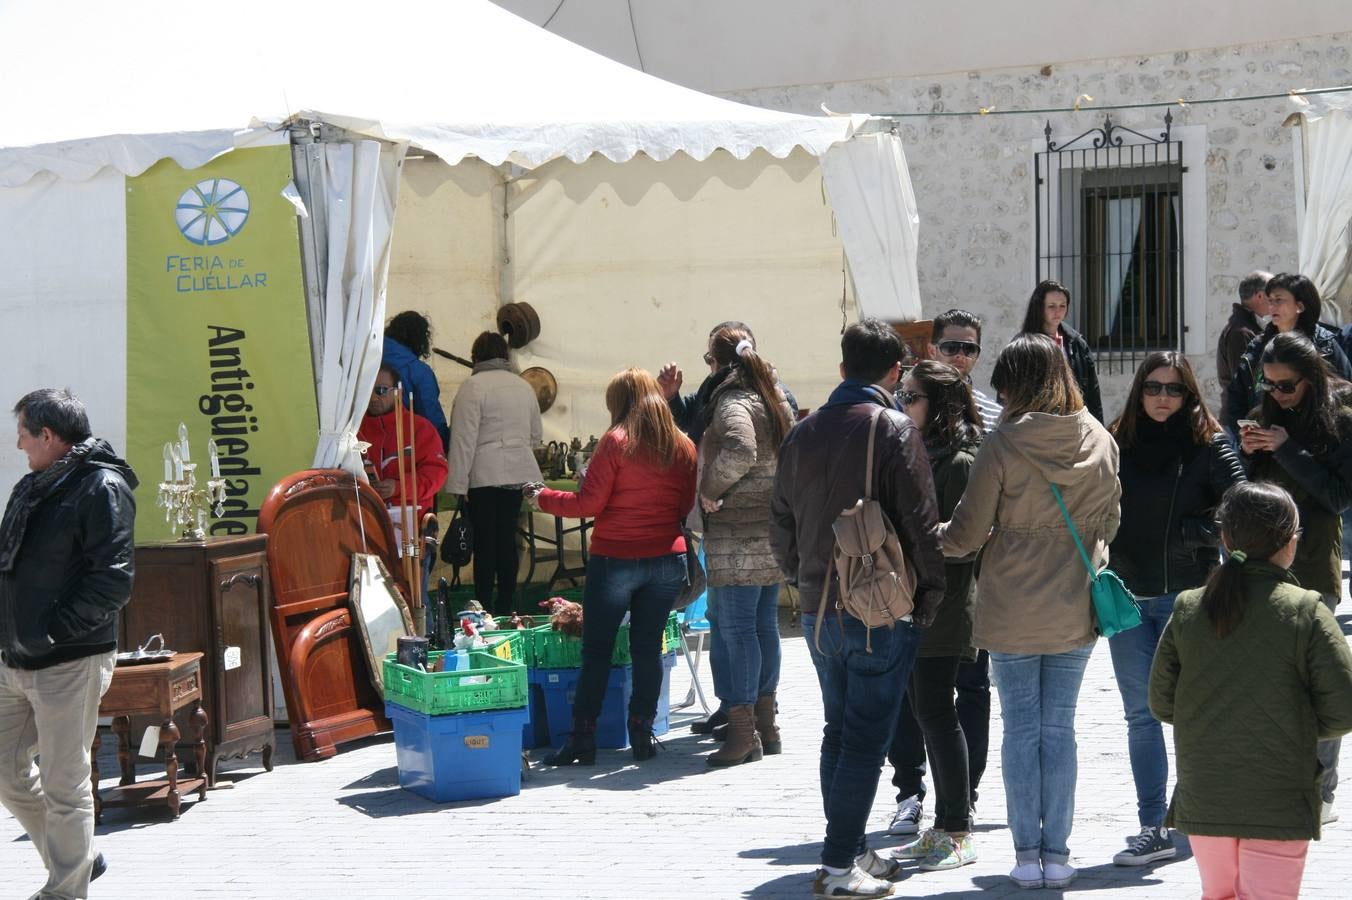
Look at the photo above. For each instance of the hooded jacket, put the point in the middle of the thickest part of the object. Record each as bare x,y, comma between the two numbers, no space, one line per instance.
1038,601
951,632
417,377
497,425
74,567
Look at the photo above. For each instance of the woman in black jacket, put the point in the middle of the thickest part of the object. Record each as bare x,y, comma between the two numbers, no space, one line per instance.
1046,314
1295,306
938,398
1175,465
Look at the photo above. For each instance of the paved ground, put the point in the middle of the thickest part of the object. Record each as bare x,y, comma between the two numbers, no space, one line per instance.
670,829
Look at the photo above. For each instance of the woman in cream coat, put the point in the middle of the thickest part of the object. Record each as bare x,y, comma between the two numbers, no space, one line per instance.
1039,625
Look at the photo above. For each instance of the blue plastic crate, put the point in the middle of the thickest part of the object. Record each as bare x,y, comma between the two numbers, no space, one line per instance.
558,688
535,733
464,756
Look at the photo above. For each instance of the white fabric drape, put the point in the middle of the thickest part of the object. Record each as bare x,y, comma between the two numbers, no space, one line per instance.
870,190
1326,230
1124,222
360,183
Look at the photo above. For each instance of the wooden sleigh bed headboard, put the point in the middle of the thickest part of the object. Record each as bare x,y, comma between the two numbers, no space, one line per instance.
315,520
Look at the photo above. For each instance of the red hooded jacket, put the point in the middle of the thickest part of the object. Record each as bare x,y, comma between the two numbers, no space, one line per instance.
379,432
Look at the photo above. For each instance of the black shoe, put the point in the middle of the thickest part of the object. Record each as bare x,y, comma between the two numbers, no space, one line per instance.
580,748
642,739
706,726
100,866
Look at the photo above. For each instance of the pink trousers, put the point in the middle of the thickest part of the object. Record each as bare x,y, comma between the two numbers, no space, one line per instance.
1243,869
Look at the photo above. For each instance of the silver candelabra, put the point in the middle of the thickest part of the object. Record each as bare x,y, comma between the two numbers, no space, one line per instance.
187,503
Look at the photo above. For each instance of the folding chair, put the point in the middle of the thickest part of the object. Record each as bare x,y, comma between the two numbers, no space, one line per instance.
694,630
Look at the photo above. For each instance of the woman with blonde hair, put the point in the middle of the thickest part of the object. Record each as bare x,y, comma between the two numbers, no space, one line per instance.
639,488
1039,626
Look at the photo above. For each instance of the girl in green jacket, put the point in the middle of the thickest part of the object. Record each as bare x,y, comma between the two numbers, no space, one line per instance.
1252,670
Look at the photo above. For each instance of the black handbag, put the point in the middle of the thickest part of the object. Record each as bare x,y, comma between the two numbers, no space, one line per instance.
457,547
695,581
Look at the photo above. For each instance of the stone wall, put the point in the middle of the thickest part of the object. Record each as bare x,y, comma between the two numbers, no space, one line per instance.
973,175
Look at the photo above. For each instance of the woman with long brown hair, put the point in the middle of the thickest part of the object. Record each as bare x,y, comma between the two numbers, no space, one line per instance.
746,419
1048,308
1176,464
639,488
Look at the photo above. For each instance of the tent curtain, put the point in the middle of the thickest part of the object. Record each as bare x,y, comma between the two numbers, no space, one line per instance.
359,182
1326,230
870,190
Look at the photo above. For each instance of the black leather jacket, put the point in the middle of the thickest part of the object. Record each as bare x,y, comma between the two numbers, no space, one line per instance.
1168,537
821,474
74,568
1242,395
1082,366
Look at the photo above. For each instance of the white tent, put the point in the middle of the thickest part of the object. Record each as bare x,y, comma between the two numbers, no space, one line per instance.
630,212
1326,221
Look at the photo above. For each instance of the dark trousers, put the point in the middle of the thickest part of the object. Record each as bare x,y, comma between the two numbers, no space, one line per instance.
494,512
861,697
646,589
907,753
929,722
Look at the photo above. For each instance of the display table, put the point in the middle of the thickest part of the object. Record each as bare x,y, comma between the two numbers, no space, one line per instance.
548,547
160,690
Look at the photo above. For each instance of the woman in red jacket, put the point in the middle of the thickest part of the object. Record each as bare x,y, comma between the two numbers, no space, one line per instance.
639,488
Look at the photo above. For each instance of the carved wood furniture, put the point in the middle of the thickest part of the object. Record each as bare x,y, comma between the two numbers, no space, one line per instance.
158,689
315,520
212,596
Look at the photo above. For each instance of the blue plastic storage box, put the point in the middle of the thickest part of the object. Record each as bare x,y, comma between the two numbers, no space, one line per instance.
464,756
558,688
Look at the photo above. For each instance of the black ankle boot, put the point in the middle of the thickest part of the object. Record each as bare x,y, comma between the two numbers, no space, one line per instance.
642,739
706,726
580,748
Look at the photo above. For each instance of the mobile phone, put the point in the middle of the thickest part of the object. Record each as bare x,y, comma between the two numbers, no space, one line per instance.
1248,423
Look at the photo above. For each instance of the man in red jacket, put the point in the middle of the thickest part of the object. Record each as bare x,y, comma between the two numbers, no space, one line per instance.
378,430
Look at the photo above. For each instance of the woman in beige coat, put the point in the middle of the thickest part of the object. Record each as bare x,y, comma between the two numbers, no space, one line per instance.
1039,625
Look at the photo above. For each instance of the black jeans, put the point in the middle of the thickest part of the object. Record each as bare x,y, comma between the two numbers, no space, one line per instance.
494,512
907,753
646,589
928,719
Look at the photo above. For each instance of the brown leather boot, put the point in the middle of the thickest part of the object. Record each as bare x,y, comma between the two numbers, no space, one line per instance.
743,744
766,707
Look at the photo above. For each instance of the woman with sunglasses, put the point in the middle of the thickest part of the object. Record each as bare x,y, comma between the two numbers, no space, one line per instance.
1295,307
1046,314
938,398
1176,464
1301,439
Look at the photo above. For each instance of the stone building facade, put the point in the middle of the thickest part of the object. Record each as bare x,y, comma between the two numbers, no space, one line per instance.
973,175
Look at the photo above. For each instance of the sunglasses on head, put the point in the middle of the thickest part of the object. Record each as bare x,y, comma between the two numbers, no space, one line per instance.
909,397
1281,387
1155,388
959,348
381,390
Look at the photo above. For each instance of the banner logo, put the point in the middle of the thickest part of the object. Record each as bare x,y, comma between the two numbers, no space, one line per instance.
212,212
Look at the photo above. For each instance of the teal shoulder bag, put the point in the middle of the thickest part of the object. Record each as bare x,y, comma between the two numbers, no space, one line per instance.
1114,606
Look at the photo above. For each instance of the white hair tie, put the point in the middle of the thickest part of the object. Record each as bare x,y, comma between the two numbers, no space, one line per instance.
744,345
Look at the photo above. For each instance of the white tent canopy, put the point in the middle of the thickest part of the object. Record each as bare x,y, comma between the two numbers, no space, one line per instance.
1326,227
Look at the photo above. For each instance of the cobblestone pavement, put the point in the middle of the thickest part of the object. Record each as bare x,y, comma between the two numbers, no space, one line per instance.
671,828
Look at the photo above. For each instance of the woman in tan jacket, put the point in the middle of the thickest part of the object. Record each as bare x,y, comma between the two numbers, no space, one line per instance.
1039,625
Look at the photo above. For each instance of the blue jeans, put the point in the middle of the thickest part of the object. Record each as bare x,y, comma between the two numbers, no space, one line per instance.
1037,703
861,697
718,653
646,589
1133,651
747,630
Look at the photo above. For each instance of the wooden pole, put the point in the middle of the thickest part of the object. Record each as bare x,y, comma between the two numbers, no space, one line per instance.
414,537
405,558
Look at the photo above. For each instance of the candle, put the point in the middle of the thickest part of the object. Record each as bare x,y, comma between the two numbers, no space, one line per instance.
178,462
168,464
214,454
183,442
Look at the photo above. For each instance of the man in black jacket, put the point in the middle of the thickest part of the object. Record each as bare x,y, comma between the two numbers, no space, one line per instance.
862,676
65,571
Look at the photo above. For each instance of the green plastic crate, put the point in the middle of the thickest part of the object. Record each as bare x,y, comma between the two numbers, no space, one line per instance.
554,650
440,693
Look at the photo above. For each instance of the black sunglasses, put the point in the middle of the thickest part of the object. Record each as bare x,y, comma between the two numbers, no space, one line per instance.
909,397
709,358
1282,387
960,348
1155,388
381,390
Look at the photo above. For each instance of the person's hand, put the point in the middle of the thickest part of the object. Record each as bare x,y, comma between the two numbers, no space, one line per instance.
670,380
709,506
1270,439
385,488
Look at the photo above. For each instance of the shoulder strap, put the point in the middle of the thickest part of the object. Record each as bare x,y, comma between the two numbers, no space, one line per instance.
868,460
1088,564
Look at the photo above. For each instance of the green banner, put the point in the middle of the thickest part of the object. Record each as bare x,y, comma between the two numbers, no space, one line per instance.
216,331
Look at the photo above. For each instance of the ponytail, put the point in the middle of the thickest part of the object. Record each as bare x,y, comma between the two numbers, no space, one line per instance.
1257,520
734,346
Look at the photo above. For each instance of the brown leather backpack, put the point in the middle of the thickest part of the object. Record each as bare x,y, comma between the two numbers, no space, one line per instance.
876,581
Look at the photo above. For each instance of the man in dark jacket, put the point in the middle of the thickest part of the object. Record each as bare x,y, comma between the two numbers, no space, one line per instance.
65,571
1242,328
862,675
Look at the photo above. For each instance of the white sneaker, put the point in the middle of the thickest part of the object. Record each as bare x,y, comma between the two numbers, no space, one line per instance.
854,883
875,865
1027,875
1327,814
907,818
1056,876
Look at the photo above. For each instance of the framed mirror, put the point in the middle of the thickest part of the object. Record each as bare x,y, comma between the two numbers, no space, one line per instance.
380,614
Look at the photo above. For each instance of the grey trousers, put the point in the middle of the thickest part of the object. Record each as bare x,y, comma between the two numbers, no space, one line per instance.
1327,751
52,714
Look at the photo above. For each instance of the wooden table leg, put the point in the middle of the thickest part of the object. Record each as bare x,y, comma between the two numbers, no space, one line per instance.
199,728
94,776
125,760
169,735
